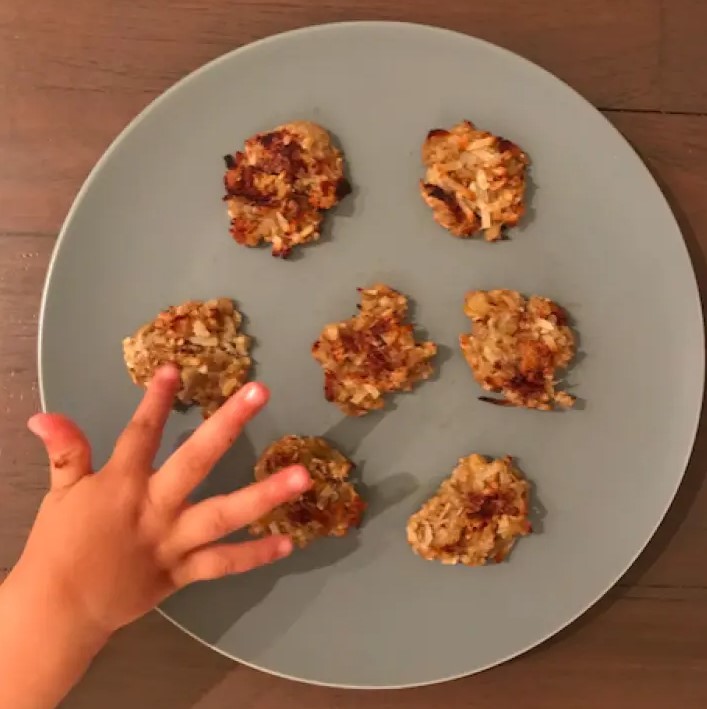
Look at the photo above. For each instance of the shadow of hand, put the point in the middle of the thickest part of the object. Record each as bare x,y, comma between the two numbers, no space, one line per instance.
211,609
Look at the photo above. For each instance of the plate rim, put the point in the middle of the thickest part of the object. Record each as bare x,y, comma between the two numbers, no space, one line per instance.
442,31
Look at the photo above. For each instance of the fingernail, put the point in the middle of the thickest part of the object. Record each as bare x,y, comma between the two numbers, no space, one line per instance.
168,372
298,479
34,424
284,546
255,394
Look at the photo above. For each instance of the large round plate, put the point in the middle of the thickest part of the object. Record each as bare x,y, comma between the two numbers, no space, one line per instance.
149,230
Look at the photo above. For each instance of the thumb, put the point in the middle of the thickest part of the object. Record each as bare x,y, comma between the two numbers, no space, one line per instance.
68,450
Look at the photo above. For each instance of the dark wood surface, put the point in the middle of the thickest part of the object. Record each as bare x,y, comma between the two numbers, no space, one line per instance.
72,74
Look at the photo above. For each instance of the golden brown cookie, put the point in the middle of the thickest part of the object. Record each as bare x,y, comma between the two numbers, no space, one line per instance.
203,339
516,347
372,354
475,181
279,185
476,515
330,508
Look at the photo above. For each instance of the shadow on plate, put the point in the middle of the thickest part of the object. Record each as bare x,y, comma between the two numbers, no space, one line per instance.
530,191
444,352
566,382
537,512
229,599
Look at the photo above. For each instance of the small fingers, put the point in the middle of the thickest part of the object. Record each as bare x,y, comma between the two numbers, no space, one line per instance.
225,559
139,441
216,517
68,450
193,460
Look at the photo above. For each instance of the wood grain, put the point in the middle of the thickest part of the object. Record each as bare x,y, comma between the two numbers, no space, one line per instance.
609,51
683,86
648,653
68,93
71,79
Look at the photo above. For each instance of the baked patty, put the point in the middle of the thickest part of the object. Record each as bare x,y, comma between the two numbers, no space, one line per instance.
280,183
330,508
372,354
476,515
475,181
203,339
516,346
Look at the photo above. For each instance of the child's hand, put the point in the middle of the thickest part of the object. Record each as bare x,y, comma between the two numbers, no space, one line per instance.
114,544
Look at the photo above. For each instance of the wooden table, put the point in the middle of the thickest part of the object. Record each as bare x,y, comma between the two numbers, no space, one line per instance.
72,74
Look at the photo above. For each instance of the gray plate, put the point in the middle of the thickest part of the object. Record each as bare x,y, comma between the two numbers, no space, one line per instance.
149,229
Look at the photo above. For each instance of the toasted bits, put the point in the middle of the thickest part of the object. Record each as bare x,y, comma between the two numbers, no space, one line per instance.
278,186
475,181
516,346
202,338
330,508
372,354
475,516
